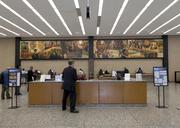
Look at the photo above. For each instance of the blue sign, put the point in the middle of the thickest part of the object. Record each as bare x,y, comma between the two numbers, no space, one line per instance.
160,76
14,77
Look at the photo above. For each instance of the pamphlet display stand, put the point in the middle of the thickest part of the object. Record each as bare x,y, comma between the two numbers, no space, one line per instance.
160,80
14,81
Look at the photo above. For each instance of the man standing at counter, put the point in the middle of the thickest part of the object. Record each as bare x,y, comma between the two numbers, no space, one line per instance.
69,85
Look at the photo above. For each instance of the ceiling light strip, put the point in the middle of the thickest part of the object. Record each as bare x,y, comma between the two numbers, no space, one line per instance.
172,29
18,15
138,16
99,16
76,2
60,16
81,24
3,34
100,7
157,16
39,15
15,25
119,16
9,30
165,23
97,31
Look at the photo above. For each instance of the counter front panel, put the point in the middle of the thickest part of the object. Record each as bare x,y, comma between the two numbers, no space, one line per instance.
90,92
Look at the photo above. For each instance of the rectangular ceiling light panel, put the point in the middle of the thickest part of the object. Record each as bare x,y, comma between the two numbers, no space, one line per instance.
39,15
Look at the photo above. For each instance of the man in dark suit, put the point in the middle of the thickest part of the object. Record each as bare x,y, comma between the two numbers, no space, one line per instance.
69,86
30,76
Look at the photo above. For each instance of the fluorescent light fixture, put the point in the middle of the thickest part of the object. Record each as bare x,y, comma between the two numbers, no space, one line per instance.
172,29
157,16
100,7
76,2
60,16
165,23
15,25
97,31
18,15
39,15
119,15
3,34
178,32
9,30
81,24
138,16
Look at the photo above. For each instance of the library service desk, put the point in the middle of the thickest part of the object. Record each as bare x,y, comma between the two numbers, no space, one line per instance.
90,92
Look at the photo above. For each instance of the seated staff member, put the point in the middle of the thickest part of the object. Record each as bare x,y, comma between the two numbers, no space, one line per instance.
139,70
69,77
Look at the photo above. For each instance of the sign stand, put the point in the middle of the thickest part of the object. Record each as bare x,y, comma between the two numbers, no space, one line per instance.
159,101
160,80
13,81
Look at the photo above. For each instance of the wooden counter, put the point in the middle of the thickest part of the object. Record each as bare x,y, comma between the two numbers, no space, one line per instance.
90,92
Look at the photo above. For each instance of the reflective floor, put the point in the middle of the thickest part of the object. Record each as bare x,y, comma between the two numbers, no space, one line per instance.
102,116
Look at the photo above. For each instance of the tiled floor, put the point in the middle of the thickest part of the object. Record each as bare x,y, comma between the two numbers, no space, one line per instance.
103,116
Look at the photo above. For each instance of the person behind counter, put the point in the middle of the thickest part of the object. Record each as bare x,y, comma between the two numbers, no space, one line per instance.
126,70
100,73
139,70
30,76
81,75
69,77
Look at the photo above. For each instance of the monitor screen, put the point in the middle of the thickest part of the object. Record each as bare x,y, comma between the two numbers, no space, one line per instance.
120,75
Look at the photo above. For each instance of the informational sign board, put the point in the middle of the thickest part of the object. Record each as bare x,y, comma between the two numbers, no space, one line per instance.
14,77
160,76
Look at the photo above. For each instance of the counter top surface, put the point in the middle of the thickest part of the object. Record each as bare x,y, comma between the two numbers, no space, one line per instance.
93,80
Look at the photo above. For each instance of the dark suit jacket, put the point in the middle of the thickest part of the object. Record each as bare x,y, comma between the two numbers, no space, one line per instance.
69,77
30,75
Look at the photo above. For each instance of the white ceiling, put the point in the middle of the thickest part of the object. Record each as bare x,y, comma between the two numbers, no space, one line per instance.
109,13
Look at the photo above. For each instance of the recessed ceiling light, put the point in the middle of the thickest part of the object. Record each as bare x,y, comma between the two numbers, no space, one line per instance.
119,15
172,29
157,16
39,15
15,25
76,2
17,14
3,34
165,23
9,30
60,16
138,16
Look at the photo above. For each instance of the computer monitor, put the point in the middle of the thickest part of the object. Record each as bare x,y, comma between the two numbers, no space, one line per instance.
120,75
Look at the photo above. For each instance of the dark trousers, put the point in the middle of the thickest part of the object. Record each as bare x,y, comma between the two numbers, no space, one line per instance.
72,99
5,89
17,90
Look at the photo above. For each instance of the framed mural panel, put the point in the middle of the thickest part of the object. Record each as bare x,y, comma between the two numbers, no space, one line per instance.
124,49
52,50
